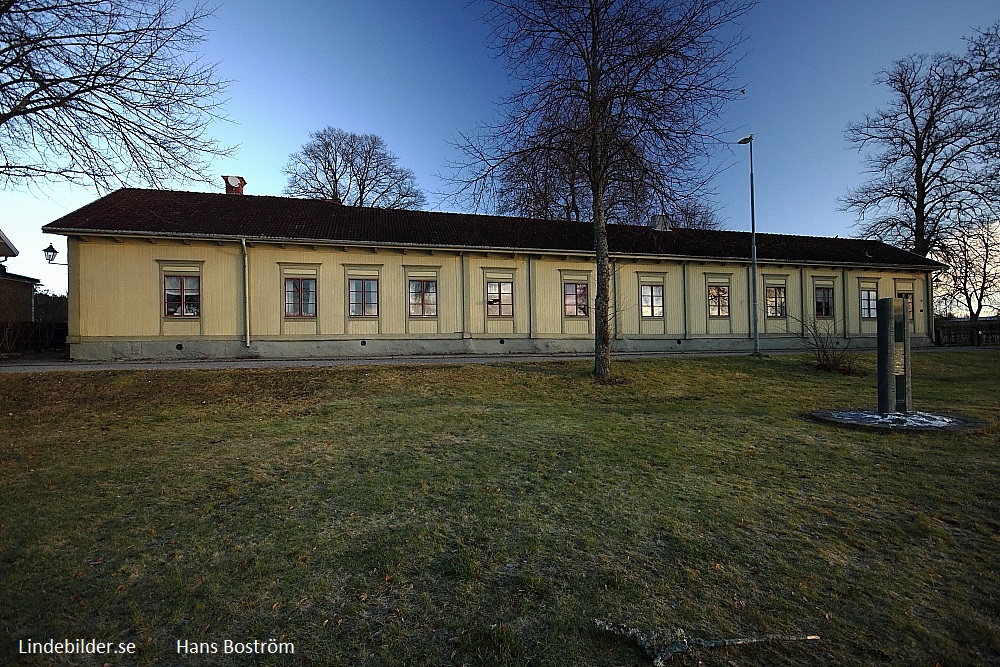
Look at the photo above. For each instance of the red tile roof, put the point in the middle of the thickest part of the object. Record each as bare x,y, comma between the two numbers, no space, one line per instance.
196,215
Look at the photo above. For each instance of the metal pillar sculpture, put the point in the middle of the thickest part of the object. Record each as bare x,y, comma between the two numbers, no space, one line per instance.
893,357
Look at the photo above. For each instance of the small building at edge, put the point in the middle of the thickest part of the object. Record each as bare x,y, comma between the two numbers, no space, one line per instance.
17,293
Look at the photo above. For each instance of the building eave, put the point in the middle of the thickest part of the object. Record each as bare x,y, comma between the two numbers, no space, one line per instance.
7,248
216,238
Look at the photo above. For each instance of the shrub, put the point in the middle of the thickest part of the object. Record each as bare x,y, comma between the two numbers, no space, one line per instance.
832,352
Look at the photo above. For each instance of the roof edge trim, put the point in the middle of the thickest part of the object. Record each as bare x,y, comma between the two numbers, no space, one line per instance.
931,265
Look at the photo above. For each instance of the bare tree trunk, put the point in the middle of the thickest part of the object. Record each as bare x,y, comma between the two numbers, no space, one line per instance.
602,322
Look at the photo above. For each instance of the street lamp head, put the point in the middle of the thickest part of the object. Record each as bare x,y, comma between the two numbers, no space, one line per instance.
746,140
50,254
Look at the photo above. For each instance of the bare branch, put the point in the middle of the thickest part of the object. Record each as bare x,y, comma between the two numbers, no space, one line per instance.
972,280
105,92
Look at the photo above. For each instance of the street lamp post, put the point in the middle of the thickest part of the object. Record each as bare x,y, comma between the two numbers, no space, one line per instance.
753,254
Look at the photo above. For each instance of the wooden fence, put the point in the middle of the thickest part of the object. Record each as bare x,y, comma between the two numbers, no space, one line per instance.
961,332
31,336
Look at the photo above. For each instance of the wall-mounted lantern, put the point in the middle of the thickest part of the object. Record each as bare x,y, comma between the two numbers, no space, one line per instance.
50,255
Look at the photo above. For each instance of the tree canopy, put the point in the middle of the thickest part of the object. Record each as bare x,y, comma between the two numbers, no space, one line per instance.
354,169
971,283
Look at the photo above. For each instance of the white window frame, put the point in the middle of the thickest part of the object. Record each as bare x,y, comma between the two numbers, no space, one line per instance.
649,312
181,270
500,281
724,283
868,304
363,273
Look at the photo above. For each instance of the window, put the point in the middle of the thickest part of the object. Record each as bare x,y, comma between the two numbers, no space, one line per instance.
774,301
718,300
300,297
869,302
575,299
499,298
300,290
651,300
363,297
907,298
182,296
824,302
423,298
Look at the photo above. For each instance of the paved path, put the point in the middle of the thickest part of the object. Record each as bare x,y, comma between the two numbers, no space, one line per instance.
53,363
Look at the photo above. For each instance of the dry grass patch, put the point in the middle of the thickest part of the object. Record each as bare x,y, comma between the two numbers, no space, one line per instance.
484,514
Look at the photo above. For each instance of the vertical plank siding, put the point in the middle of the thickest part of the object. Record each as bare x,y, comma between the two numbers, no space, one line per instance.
116,294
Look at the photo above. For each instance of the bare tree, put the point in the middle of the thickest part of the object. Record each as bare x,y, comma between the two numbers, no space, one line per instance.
105,92
972,279
695,214
545,181
934,154
624,91
545,185
355,169
983,59
541,185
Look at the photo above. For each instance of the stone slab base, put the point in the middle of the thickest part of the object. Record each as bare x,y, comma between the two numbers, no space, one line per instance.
902,422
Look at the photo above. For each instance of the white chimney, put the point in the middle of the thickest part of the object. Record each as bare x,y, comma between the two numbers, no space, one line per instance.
234,184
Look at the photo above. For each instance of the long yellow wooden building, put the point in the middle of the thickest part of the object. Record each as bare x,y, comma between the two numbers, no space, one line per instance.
159,274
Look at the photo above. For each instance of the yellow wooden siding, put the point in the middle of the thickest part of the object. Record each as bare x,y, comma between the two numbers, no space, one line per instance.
828,278
480,269
549,275
335,267
73,290
122,295
699,276
116,292
629,278
788,278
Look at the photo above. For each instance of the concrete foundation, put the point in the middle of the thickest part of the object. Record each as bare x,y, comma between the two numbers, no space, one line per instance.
136,350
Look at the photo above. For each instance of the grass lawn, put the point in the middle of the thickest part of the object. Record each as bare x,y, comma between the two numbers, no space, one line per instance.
486,514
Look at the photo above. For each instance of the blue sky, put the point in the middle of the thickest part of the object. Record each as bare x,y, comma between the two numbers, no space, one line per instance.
419,73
